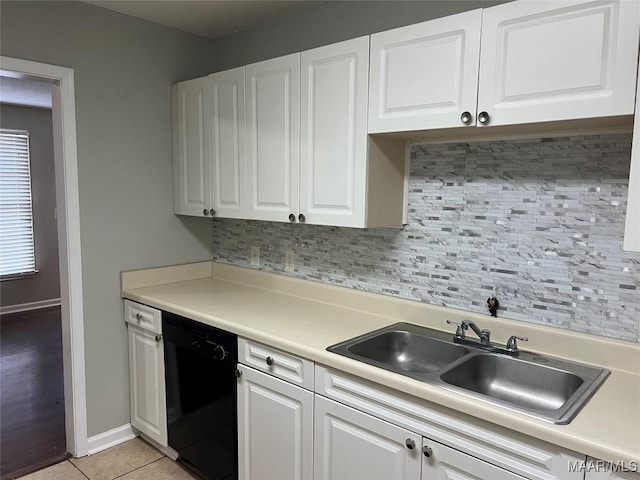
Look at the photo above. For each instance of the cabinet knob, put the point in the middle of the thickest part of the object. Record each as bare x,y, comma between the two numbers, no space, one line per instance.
292,217
138,317
205,212
212,212
158,338
269,361
302,218
483,118
426,451
238,373
410,443
466,118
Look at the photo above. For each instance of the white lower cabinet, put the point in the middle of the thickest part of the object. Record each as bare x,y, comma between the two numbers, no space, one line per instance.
352,445
147,387
463,446
443,463
351,429
275,428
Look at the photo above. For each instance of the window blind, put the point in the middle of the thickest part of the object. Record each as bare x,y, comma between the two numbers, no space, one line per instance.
17,255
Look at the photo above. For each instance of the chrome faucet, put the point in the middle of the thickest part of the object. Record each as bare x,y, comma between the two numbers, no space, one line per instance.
484,335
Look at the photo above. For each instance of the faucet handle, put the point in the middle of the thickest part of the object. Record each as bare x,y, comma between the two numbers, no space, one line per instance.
512,344
460,328
487,334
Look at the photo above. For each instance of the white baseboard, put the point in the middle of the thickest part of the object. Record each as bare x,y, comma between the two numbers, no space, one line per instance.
110,438
24,307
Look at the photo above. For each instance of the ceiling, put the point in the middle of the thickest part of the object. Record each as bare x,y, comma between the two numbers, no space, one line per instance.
211,18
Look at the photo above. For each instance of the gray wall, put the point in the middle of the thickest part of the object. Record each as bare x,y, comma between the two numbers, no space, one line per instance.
45,285
124,69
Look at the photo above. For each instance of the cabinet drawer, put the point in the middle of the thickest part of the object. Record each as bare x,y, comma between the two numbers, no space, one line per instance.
277,363
142,316
521,454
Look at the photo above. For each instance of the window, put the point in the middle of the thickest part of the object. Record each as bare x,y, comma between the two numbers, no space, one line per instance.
17,255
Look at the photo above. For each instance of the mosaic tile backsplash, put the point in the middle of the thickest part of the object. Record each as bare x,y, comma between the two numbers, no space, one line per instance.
538,223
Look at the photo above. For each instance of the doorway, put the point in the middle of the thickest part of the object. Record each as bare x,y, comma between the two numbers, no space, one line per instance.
61,80
32,427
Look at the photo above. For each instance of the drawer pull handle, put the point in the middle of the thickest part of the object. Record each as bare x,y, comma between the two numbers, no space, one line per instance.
138,317
426,451
269,361
238,373
410,443
158,338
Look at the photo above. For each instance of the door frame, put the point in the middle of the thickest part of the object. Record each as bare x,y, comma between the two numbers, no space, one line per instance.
68,222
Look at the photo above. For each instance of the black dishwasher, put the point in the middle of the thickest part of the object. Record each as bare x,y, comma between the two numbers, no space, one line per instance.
200,363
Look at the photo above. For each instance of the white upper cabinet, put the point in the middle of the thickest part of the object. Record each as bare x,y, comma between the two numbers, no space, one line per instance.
425,76
556,60
191,168
333,147
225,100
209,146
524,62
273,137
309,158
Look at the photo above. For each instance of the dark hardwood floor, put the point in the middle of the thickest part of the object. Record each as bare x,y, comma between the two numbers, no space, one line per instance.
32,428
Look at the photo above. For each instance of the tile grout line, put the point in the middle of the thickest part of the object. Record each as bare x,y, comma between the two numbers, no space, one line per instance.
76,467
138,468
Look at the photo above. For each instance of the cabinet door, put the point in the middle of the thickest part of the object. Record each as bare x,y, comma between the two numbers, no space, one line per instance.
275,428
333,147
425,76
273,138
352,445
227,143
632,221
555,60
191,165
146,374
443,463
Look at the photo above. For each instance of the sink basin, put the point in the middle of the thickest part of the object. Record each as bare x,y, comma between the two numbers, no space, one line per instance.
403,348
513,381
407,351
544,387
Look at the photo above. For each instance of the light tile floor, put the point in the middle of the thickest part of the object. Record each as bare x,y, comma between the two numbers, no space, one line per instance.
132,460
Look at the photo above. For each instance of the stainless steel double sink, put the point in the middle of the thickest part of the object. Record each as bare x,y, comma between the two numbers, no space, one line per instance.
544,387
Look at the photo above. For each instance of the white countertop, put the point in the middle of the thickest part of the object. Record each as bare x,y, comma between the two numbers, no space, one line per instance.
304,318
